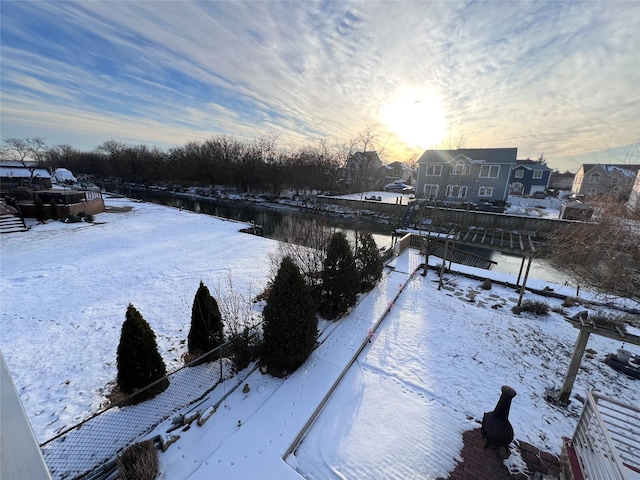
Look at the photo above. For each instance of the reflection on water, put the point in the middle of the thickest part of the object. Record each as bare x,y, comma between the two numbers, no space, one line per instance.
276,224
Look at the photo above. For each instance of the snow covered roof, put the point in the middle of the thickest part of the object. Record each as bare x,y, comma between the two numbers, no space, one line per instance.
61,175
625,170
8,171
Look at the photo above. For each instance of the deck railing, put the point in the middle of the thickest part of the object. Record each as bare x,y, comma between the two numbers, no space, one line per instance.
606,439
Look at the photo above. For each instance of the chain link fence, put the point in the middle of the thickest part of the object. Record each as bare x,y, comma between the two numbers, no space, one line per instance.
82,449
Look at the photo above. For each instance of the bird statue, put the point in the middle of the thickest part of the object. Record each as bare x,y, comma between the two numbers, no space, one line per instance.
246,389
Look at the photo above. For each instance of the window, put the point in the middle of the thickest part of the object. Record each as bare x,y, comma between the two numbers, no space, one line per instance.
537,175
430,191
456,191
592,191
519,173
595,178
434,170
485,192
614,181
489,171
461,169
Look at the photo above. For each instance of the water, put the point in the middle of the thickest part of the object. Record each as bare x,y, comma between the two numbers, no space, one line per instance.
276,223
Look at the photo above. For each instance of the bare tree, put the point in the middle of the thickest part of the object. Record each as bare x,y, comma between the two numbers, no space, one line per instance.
603,254
30,152
456,143
307,247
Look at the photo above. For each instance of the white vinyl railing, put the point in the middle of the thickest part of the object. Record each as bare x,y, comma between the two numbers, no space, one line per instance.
607,439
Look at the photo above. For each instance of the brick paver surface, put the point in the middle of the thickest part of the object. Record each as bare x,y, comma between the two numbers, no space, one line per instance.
480,464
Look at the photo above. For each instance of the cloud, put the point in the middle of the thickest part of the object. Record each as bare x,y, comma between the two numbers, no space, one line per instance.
557,77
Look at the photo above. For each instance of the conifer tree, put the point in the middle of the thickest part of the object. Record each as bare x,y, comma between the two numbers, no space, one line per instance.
340,283
207,329
368,260
290,322
139,362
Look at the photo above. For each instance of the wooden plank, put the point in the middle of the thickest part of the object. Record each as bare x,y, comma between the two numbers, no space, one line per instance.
484,235
521,245
511,240
533,249
605,332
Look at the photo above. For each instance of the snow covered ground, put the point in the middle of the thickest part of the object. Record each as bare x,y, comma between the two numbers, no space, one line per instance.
436,362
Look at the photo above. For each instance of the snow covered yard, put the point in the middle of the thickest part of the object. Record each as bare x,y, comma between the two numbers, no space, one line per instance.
435,364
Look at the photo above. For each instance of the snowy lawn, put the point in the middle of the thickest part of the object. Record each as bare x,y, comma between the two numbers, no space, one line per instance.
435,365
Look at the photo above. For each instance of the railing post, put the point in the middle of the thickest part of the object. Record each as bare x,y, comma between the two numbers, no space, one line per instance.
578,351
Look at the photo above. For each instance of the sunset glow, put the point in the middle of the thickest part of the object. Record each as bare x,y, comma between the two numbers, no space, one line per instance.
416,117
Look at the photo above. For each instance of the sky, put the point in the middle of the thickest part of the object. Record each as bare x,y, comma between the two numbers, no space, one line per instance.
435,364
559,78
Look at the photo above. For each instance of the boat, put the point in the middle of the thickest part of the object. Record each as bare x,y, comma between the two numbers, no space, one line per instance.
624,362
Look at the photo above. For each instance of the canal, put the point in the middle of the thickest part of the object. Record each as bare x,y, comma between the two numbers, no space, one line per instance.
277,222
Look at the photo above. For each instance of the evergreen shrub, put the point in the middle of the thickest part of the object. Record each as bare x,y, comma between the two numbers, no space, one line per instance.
139,363
368,261
290,322
340,281
207,329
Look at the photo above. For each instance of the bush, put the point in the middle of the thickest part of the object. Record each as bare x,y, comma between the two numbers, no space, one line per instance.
207,329
536,307
368,261
340,283
570,302
290,323
73,218
53,210
139,462
139,363
243,349
486,285
604,320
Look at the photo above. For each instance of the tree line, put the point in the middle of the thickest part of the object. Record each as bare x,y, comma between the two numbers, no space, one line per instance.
257,165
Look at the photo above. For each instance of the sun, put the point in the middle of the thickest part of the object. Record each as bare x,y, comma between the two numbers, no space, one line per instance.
416,117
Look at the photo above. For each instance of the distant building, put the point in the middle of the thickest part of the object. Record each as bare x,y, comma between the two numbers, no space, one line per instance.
14,174
362,171
528,177
397,171
605,179
561,181
465,175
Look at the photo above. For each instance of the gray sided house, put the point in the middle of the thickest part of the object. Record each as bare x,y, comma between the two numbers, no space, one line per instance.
605,179
529,177
465,175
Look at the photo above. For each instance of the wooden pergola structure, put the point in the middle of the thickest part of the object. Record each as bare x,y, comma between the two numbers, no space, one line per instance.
510,242
586,328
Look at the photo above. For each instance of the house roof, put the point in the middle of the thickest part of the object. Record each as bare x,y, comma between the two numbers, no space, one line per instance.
530,165
476,155
370,155
8,171
394,165
625,170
